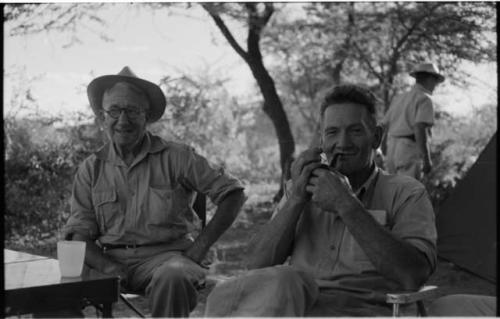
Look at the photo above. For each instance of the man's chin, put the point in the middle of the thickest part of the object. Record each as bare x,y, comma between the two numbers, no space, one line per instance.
124,142
342,169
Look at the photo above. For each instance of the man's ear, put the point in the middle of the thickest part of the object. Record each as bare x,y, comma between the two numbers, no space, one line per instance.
100,117
378,134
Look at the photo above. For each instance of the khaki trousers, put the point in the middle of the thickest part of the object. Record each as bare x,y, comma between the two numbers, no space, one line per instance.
283,291
169,289
403,157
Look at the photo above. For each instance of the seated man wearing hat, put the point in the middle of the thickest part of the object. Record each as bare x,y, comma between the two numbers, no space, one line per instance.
408,122
133,197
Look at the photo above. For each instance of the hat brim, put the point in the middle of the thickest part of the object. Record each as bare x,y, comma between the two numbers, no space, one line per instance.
157,100
439,76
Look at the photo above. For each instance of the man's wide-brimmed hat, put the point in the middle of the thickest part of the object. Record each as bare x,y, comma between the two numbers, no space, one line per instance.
430,68
157,100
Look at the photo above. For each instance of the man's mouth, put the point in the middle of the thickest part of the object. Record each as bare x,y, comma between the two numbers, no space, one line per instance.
340,157
124,130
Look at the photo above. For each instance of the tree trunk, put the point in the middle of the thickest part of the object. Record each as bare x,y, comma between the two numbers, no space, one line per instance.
274,109
272,103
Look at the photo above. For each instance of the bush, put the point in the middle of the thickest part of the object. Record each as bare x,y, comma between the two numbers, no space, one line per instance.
38,179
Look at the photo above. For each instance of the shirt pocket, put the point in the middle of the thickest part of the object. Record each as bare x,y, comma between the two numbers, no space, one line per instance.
165,206
107,209
361,260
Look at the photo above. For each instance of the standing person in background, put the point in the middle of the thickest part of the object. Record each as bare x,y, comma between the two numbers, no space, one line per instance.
408,125
131,200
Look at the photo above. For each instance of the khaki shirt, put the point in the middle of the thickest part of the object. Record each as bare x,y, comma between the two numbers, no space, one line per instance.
407,109
325,248
148,202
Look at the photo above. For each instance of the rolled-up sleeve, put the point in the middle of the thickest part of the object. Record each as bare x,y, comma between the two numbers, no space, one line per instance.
82,219
425,111
414,222
206,177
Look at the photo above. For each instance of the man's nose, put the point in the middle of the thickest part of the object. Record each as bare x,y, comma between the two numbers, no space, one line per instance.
123,118
343,140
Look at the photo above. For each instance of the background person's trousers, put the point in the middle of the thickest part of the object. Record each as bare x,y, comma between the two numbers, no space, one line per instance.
169,288
403,157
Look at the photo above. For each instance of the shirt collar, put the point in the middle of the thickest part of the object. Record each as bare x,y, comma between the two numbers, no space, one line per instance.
422,88
150,144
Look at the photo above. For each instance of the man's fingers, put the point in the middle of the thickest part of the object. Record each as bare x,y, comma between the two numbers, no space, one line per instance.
309,168
306,157
313,181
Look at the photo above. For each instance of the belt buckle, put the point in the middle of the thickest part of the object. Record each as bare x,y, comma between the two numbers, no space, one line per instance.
132,246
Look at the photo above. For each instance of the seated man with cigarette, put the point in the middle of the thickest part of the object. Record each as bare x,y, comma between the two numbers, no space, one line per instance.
344,234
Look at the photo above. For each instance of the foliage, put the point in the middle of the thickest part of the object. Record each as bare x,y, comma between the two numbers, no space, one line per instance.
456,144
371,43
66,18
202,113
38,177
257,17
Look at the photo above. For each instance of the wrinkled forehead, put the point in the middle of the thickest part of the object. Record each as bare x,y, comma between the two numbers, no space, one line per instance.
345,114
124,94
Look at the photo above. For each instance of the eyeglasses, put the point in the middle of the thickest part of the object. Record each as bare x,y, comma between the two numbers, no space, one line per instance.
131,114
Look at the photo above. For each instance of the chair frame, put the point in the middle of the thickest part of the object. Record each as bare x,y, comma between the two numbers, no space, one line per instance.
402,298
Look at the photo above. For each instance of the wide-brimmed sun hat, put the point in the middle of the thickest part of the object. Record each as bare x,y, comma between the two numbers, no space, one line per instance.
157,100
430,68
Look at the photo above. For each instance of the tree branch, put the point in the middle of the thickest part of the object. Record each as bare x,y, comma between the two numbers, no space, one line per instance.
367,62
410,30
225,31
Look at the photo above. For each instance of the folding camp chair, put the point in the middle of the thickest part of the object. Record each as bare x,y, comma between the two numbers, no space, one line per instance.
403,298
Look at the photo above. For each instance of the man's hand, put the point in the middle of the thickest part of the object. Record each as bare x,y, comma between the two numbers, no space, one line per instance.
331,191
301,170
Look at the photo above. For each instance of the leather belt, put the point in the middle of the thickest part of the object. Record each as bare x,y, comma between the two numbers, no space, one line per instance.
123,246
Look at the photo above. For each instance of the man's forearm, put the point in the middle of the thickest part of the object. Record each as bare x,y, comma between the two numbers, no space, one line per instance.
224,216
420,132
272,245
393,257
95,258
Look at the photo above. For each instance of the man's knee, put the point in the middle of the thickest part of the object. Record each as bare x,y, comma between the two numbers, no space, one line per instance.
166,275
276,281
284,277
272,291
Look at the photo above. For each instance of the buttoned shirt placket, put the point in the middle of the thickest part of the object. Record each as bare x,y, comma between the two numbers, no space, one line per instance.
364,193
128,185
